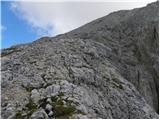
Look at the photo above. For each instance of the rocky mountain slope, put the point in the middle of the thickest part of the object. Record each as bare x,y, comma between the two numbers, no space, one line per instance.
105,69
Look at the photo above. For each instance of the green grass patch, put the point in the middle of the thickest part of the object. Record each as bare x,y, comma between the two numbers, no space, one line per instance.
61,94
19,115
61,110
117,83
64,111
9,51
32,107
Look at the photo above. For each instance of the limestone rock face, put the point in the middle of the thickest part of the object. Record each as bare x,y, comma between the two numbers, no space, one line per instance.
105,69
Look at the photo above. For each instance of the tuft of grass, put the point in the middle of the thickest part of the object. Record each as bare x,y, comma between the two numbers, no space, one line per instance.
43,103
117,83
19,115
61,110
32,107
64,111
28,88
120,86
61,94
80,112
9,51
54,98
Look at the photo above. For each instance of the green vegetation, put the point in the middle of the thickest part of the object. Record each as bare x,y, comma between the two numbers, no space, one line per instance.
28,88
62,111
19,115
9,51
117,83
61,94
62,108
32,107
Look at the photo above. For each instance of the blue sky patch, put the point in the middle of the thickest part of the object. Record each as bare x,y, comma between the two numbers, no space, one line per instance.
14,30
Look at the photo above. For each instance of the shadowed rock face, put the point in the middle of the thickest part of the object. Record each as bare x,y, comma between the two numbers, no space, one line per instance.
132,37
105,69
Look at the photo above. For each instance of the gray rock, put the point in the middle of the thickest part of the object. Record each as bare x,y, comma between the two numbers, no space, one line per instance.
49,100
40,114
130,37
35,96
50,114
105,69
9,112
49,107
79,116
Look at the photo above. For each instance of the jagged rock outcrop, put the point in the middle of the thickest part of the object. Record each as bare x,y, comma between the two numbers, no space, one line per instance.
132,37
105,69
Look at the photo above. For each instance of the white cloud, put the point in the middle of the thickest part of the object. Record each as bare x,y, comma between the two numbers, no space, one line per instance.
51,18
3,28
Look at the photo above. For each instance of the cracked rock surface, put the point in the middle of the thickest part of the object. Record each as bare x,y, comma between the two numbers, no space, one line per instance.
105,69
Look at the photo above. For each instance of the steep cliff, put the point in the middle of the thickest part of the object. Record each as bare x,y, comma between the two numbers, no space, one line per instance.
105,69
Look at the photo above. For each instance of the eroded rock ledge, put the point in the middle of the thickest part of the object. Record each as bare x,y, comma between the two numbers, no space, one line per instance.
68,82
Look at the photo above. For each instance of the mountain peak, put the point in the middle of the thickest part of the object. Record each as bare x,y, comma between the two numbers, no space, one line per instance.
107,68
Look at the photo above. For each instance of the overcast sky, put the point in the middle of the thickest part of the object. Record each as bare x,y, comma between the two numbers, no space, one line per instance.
45,18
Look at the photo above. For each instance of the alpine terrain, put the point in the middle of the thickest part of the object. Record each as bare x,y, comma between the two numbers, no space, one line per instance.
105,69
